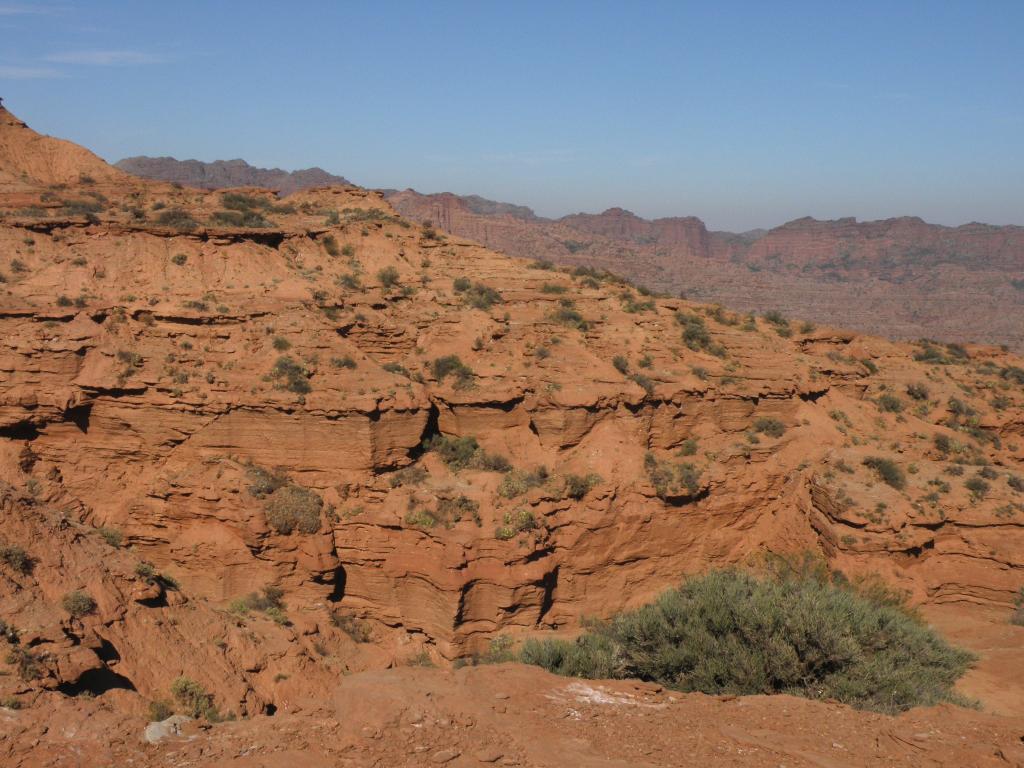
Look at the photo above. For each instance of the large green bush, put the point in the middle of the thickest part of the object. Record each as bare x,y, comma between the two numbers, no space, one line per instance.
730,632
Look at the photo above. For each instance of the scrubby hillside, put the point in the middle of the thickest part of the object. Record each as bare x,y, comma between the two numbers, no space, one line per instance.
250,444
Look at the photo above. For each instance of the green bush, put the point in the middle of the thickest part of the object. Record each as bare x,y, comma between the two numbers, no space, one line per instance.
887,469
728,632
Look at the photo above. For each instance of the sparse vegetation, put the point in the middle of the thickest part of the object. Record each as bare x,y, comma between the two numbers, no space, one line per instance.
465,453
177,218
517,482
672,479
514,523
476,295
193,699
15,558
770,426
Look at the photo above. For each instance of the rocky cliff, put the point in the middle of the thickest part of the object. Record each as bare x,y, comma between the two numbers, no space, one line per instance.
901,278
263,442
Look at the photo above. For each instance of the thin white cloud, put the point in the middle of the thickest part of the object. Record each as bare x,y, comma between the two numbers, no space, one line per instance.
28,73
104,58
9,9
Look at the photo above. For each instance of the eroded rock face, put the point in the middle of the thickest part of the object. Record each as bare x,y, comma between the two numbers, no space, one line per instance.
194,407
901,278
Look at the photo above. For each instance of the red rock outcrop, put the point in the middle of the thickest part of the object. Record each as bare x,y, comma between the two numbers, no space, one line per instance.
197,403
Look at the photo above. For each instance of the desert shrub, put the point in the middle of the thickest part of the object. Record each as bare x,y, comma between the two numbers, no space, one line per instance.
517,482
728,632
27,664
476,295
252,219
977,486
451,365
355,628
514,523
270,602
688,447
343,362
887,470
578,486
890,403
350,281
414,475
1013,373
293,508
387,277
290,375
465,453
696,335
15,558
177,218
555,288
330,244
566,314
917,391
670,478
263,482
453,509
767,425
159,710
112,536
281,344
1014,481
621,364
193,699
1018,615
78,603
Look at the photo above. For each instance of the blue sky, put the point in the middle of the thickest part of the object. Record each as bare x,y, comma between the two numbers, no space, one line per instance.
746,114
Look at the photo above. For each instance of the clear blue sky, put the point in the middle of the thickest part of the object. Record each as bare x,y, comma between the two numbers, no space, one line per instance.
746,114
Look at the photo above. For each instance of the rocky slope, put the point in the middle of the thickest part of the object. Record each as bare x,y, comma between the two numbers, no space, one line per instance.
901,278
206,395
227,173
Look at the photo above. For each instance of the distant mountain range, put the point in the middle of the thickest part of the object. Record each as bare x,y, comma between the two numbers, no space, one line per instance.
227,173
900,277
